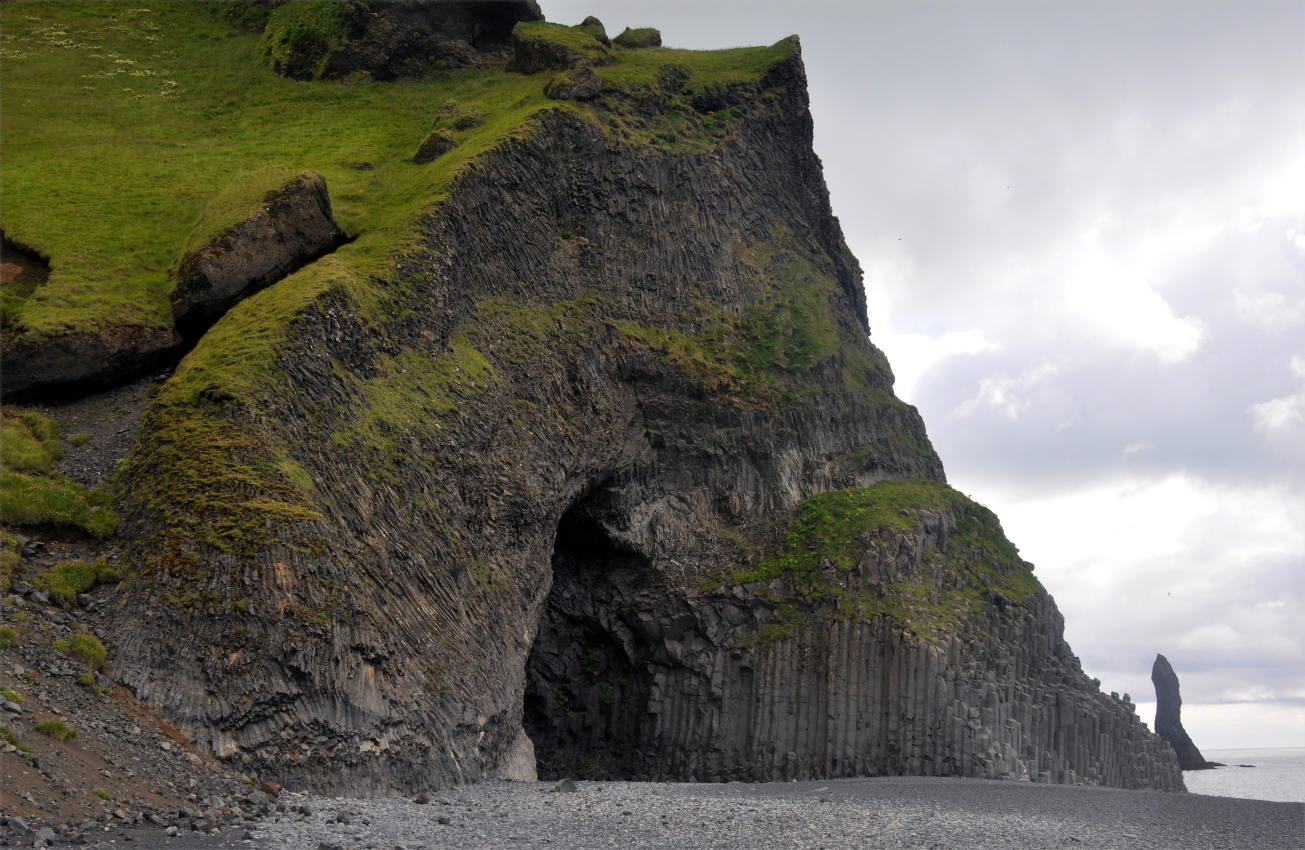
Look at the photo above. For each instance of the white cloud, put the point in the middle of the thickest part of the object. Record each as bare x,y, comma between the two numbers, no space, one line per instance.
914,354
1297,239
1285,413
1008,396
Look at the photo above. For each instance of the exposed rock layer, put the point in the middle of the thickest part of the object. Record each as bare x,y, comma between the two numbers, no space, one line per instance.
392,39
622,687
77,363
1168,716
557,427
292,228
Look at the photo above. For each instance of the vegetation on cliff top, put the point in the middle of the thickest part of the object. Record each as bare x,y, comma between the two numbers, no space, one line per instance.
835,541
133,131
175,127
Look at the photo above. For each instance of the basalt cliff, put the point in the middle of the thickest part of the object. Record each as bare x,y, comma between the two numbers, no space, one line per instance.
564,445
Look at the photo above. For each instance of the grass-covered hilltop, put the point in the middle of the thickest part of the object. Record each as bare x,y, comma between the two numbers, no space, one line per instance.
467,394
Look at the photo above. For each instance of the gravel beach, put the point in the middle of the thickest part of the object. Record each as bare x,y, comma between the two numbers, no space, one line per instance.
885,813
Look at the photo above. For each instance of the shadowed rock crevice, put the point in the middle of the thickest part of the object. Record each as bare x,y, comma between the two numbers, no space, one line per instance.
587,677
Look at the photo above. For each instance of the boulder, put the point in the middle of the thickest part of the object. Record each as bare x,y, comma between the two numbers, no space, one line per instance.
540,46
80,362
576,84
292,228
641,37
435,145
595,28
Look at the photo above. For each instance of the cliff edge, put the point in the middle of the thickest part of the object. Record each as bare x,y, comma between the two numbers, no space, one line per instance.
582,440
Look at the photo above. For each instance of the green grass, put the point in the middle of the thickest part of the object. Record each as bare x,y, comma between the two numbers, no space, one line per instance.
83,647
32,494
56,501
8,637
29,442
831,533
56,729
64,581
11,695
134,130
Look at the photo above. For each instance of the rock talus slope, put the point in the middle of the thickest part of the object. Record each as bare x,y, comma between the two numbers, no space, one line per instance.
539,484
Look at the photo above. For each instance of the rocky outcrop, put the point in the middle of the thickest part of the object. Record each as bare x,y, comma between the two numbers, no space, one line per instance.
576,84
67,363
602,377
435,145
641,37
292,228
390,39
552,47
1168,720
623,685
82,362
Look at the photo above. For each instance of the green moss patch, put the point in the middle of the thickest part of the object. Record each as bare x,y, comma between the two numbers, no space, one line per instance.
299,37
200,480
64,581
640,37
56,729
29,442
831,534
31,493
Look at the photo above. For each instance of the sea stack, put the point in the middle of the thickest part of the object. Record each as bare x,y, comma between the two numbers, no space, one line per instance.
1168,723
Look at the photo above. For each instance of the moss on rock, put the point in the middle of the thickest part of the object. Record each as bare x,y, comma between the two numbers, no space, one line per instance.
540,46
640,37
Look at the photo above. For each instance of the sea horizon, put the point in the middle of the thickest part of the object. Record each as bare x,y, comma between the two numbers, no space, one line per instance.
1276,774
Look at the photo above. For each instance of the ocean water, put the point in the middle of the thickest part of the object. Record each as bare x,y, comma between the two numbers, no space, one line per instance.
1278,774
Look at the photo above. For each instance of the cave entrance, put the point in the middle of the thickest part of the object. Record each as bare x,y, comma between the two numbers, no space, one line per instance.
587,678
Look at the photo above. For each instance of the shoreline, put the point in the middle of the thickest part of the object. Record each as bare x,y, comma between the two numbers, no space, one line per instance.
882,812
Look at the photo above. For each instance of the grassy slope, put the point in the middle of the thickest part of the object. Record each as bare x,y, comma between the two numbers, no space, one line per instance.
132,132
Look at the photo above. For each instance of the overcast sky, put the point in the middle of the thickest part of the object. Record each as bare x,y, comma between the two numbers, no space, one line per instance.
1083,232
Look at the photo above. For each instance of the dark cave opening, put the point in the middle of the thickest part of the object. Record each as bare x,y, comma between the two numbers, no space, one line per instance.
587,678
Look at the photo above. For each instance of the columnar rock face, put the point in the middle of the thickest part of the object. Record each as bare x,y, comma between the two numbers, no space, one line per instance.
537,486
1168,716
624,687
